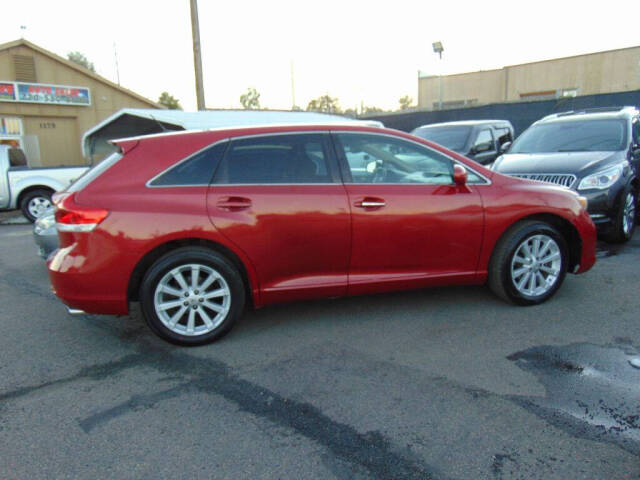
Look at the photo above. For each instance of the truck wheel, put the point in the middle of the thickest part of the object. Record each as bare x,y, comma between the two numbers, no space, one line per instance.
192,296
625,221
34,203
529,263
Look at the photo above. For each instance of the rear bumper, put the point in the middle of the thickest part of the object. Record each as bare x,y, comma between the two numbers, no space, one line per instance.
88,281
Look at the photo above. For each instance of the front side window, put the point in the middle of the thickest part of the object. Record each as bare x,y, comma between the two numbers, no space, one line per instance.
573,136
276,159
484,142
504,136
636,131
382,159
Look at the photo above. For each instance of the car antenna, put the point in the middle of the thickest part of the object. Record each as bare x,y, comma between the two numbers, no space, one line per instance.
164,129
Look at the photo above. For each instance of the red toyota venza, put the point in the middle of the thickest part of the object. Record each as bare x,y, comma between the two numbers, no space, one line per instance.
197,225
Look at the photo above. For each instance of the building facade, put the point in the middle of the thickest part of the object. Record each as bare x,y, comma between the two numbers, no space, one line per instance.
591,74
48,102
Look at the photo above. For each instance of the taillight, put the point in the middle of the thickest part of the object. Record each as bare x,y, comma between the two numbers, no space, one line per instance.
71,217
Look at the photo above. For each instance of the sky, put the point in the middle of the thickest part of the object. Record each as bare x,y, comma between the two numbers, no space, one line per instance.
360,52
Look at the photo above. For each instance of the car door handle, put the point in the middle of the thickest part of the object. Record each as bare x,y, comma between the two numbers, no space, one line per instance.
370,202
233,204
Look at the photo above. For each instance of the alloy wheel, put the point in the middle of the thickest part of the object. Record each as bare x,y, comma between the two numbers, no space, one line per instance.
192,299
536,265
629,213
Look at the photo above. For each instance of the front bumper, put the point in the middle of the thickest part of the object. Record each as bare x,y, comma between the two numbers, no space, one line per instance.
602,207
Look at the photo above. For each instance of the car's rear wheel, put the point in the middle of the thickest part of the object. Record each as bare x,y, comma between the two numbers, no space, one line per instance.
35,203
192,296
624,222
529,263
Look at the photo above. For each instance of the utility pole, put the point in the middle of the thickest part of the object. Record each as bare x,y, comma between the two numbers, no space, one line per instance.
115,54
197,58
293,90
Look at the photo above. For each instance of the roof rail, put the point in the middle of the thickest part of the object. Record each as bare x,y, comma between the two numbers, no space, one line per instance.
591,110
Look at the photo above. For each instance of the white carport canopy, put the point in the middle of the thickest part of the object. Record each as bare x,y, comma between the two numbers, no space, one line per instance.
132,122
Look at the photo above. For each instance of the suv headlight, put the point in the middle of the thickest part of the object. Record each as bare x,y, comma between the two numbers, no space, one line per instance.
602,179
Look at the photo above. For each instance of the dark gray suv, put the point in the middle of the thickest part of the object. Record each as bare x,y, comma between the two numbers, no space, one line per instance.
595,152
479,140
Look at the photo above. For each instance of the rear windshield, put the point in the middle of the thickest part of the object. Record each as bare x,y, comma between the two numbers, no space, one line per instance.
453,138
573,136
94,172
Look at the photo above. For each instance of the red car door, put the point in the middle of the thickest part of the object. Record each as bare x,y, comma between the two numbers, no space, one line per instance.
412,226
278,198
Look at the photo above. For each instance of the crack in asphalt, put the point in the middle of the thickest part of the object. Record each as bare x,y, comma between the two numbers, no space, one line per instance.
371,450
94,372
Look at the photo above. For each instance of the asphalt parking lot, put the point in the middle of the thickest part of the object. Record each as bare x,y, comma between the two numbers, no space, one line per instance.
448,383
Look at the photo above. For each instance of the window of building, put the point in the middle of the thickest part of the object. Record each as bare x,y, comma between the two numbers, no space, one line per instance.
278,159
11,131
196,170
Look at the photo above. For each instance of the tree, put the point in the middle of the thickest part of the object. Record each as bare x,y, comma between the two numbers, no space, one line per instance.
169,101
406,102
369,110
251,99
80,59
324,104
351,112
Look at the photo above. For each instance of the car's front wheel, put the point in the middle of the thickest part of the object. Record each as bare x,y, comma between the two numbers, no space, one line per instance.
624,222
192,296
529,263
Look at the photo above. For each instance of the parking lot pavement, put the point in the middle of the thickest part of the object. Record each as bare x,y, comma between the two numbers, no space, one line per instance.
442,383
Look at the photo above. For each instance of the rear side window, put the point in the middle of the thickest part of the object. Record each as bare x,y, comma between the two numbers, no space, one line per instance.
195,170
277,159
94,172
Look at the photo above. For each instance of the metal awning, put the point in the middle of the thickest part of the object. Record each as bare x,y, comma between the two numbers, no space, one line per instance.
132,122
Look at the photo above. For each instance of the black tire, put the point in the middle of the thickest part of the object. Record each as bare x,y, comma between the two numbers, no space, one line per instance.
182,258
622,231
501,277
41,196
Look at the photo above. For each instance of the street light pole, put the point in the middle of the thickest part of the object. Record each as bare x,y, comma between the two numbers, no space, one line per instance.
197,58
438,48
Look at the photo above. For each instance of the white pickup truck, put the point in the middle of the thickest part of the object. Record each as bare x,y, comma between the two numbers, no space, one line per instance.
30,189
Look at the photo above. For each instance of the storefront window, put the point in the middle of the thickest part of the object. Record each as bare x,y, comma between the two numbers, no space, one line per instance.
11,131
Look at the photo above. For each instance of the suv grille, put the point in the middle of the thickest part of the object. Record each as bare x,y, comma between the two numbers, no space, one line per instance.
563,179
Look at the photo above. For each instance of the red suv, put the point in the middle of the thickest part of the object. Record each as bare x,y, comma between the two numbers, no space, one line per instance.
195,225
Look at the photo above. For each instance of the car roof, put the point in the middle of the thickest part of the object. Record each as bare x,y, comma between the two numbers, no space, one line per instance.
249,130
470,123
591,114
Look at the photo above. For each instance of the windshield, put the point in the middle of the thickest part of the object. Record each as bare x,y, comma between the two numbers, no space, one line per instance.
573,136
453,138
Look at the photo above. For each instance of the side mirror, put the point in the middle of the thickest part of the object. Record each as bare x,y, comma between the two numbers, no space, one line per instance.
459,175
504,147
482,147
